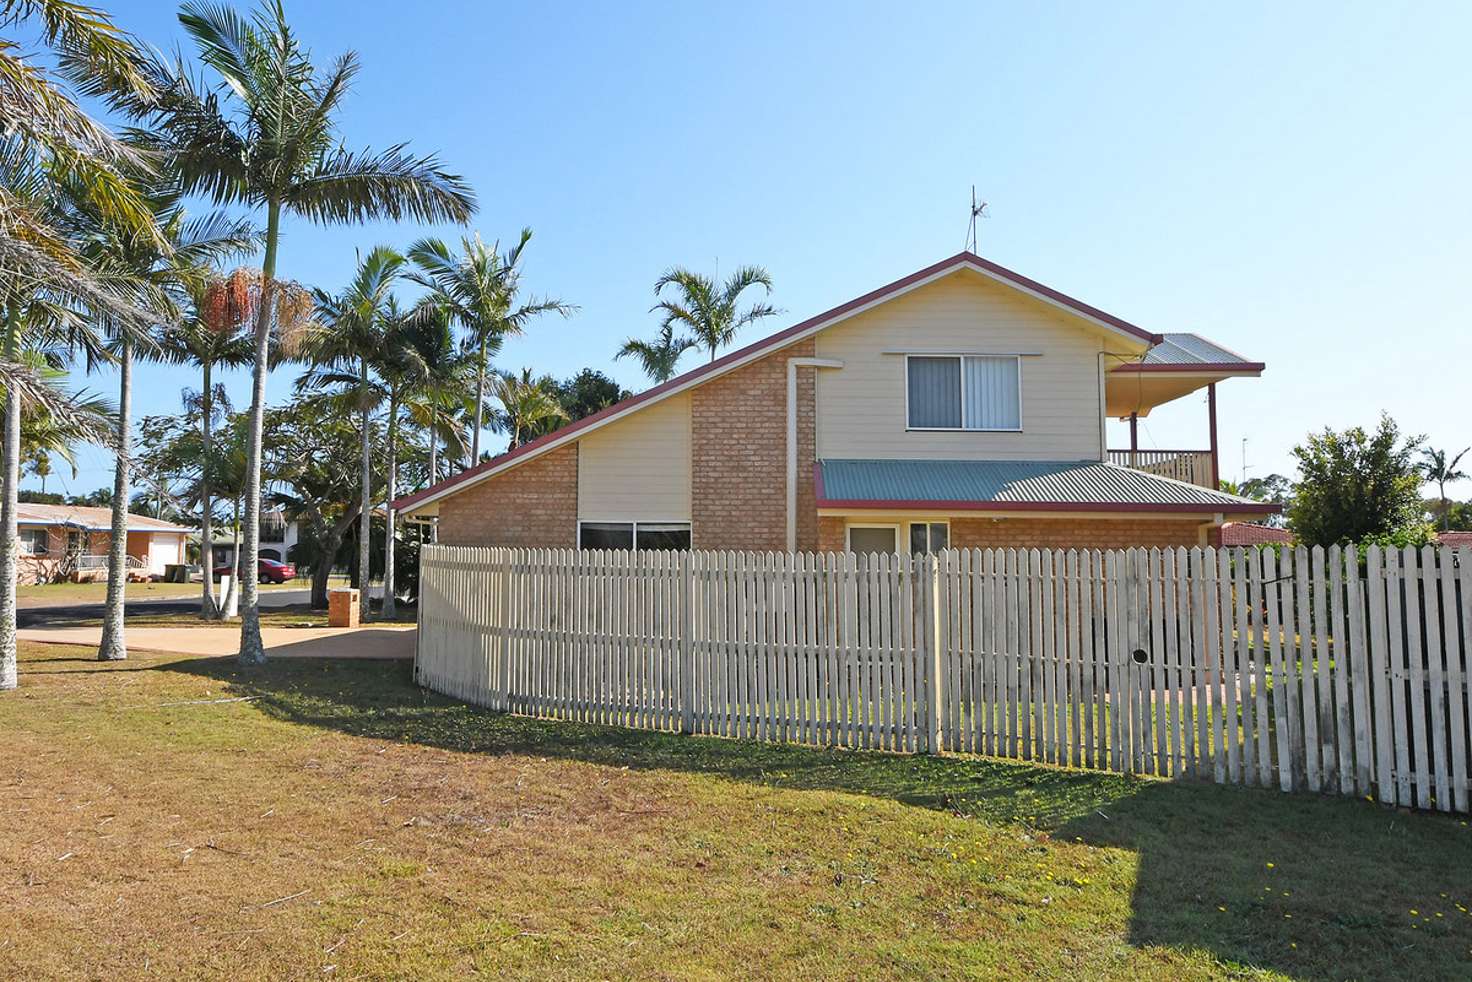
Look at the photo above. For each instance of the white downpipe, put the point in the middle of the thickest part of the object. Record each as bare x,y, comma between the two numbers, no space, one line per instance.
793,364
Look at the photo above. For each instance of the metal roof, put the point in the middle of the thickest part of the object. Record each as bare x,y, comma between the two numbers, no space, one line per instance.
1015,484
1188,350
88,517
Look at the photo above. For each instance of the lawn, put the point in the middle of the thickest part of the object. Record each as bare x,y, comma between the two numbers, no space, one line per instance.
334,821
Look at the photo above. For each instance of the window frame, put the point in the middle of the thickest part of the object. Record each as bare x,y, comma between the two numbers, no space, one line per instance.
963,428
634,531
45,536
928,522
896,527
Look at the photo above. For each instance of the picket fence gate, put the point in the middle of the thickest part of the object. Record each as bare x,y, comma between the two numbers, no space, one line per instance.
1337,671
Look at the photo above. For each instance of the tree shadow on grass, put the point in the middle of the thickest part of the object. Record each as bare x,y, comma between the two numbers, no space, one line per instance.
1314,887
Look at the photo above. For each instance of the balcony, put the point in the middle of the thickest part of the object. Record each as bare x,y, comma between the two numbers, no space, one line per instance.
1190,466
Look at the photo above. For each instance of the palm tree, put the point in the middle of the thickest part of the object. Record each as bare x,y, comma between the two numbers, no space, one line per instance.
658,357
405,368
1436,468
210,337
437,405
160,278
50,147
528,408
708,312
267,139
356,339
478,289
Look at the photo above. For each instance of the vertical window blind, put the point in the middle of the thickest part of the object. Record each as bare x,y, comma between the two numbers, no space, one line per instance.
972,392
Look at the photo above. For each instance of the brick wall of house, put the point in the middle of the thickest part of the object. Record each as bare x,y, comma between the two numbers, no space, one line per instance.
534,504
832,534
739,456
1041,533
1072,533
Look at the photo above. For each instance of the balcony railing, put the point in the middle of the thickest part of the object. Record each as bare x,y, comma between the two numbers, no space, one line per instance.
1191,466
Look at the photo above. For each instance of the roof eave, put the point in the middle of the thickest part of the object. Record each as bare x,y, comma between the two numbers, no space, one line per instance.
1198,368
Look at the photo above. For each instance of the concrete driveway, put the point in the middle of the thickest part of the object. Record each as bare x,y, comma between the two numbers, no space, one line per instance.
371,642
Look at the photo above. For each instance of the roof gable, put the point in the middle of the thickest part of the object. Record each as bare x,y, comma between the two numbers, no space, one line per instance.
797,332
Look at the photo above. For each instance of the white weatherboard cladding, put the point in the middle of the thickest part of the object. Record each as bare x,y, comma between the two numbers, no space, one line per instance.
861,407
638,468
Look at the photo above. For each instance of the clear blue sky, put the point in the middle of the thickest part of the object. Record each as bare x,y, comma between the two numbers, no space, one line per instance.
1289,180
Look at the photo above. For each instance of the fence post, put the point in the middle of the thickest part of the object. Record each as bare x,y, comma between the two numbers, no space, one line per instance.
930,654
686,627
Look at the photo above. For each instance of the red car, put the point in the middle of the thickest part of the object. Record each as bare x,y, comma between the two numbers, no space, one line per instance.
269,570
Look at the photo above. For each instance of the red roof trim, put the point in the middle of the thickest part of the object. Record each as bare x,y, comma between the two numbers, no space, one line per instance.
1191,368
775,341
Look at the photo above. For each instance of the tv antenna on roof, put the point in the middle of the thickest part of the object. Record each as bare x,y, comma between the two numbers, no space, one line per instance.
977,211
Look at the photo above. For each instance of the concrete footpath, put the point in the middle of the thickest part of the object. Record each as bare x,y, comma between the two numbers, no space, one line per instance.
373,641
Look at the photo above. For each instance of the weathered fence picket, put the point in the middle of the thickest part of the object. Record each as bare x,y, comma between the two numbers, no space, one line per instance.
1339,671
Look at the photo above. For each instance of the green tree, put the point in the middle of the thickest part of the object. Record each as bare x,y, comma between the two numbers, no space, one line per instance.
658,357
711,313
358,337
313,449
1274,488
209,337
267,139
588,392
1354,485
1436,467
159,277
479,290
44,312
528,407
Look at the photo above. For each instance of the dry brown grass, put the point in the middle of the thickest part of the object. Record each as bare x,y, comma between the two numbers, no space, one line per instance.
341,824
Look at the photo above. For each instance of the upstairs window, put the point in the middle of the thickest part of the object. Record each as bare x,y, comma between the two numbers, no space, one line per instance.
964,392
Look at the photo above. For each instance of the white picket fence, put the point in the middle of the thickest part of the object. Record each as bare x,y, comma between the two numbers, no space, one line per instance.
1296,668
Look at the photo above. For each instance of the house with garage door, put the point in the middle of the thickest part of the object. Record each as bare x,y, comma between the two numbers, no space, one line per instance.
72,542
961,405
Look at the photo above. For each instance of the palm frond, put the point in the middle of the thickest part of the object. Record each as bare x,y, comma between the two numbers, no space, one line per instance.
348,187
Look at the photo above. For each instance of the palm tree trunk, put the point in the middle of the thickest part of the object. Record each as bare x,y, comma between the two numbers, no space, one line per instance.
252,651
207,609
11,477
114,646
480,398
388,508
365,508
235,557
434,445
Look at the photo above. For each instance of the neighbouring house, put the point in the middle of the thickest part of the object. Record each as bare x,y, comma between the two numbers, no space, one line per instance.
1455,539
962,405
278,537
72,541
1254,534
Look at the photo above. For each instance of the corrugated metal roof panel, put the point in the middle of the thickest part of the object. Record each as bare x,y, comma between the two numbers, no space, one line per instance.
1014,482
1190,349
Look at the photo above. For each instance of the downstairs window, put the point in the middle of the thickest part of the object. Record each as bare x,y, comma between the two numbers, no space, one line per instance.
633,535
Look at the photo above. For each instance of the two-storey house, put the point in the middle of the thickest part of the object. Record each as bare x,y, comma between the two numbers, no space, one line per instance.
962,405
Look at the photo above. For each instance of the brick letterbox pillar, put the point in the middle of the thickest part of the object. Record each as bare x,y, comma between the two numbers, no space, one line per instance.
342,608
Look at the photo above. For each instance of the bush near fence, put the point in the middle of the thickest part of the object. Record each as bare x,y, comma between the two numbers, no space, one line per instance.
1302,669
